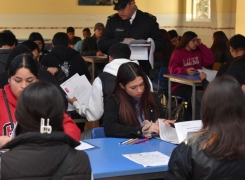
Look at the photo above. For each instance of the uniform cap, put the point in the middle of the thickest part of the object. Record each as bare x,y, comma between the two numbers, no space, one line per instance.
120,4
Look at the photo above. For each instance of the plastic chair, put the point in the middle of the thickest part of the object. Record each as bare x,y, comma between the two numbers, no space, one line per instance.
163,70
98,133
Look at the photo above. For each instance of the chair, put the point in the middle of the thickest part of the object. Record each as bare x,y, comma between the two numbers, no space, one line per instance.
217,65
98,133
163,70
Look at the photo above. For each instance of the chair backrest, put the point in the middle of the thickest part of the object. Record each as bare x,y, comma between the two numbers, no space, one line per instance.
217,65
163,70
98,133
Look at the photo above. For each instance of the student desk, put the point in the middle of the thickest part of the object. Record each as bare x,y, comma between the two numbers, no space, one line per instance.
183,79
107,161
93,60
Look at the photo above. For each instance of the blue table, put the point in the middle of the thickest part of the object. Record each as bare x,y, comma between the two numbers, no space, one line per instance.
183,79
107,161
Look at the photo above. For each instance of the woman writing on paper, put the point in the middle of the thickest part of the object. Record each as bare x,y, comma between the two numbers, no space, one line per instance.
217,151
40,145
23,71
132,110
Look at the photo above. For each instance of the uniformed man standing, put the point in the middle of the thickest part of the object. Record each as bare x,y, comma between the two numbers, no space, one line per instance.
128,24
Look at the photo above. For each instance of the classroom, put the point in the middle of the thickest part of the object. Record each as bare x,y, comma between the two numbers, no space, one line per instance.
122,89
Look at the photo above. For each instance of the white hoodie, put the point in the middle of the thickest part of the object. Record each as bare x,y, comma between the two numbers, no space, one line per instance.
95,107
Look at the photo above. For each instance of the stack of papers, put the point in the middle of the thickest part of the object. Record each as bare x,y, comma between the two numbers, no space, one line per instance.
84,146
211,74
181,131
148,158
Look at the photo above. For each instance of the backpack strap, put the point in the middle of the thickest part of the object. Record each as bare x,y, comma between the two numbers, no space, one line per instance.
8,109
65,165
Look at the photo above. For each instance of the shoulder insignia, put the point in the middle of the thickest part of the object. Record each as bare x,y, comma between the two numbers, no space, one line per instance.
150,15
113,15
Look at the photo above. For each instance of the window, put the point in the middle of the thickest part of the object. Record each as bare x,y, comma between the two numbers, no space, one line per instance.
198,10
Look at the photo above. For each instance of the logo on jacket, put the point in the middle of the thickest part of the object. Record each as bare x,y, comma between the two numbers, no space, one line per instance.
65,68
191,61
7,130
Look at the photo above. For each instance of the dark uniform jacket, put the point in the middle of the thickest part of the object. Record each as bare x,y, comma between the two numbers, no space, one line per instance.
144,26
89,46
189,162
111,122
38,156
68,60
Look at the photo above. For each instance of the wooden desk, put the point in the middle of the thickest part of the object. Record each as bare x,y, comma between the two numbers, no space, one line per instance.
93,60
107,161
183,79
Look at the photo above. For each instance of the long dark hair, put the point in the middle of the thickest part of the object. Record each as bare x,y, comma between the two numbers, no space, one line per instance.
23,61
185,39
220,47
39,100
223,117
34,36
127,115
165,54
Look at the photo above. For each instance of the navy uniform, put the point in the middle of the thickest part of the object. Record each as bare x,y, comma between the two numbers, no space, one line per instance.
144,26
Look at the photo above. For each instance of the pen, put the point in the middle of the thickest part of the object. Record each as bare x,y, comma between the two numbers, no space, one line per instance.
144,140
125,141
129,142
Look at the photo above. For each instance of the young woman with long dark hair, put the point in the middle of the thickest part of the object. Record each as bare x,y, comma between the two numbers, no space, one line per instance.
217,151
132,110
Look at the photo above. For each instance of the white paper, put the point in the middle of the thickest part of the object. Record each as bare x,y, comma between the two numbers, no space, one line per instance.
84,146
211,74
148,158
138,41
138,53
152,50
182,128
167,133
79,87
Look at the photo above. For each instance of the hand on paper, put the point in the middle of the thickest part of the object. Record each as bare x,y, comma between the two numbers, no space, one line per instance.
203,75
169,122
52,70
4,140
191,71
99,53
72,100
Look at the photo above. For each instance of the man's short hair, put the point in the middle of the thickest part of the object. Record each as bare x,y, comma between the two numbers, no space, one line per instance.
31,45
60,39
173,34
70,29
86,30
119,50
7,38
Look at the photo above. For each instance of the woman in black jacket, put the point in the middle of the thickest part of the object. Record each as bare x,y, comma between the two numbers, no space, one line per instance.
38,151
217,151
132,110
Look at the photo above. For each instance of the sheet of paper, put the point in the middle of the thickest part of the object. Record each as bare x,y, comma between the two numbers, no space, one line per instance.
84,146
152,50
79,87
148,158
138,53
138,41
211,74
167,133
183,128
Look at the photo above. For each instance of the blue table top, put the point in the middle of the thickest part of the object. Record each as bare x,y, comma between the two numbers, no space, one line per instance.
185,76
107,160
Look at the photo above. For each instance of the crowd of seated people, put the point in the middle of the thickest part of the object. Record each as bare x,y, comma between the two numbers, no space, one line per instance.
122,96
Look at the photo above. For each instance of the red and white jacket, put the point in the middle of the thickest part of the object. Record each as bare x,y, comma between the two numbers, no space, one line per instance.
69,125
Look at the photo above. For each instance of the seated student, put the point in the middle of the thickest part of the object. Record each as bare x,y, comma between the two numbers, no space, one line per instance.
72,38
35,153
174,37
217,151
103,85
7,43
86,34
233,68
23,71
132,110
65,58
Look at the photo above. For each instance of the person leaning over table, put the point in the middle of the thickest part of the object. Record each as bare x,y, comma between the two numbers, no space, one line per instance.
130,23
132,110
23,71
35,153
217,151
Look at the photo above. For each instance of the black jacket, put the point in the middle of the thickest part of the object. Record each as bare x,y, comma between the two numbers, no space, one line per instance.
89,46
66,59
111,121
4,54
144,26
38,156
187,162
